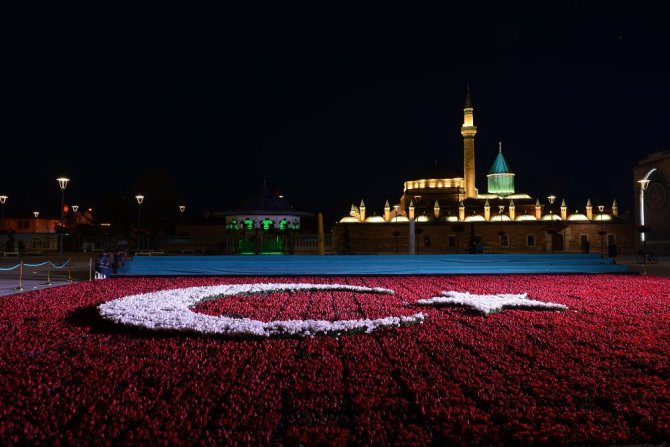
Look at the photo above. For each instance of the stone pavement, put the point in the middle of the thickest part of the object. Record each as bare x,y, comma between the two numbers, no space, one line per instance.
35,278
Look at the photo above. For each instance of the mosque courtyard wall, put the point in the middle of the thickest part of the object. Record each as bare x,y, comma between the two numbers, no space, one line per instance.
521,237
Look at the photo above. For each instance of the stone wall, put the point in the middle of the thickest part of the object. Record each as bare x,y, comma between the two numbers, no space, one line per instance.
433,238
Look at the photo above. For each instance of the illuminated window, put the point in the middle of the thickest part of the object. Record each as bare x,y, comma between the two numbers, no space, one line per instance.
232,225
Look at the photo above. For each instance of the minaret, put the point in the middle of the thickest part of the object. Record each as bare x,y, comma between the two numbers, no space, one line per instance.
461,211
411,209
615,209
436,209
538,209
487,210
362,211
589,209
387,211
564,210
512,210
468,130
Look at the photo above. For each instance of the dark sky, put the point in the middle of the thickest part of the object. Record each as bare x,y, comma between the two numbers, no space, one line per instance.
331,106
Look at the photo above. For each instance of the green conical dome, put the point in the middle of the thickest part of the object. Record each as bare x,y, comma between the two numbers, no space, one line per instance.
500,165
500,176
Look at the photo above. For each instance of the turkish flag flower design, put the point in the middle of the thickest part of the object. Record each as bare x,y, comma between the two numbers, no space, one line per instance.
592,369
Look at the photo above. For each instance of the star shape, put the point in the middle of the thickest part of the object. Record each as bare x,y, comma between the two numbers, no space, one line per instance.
487,304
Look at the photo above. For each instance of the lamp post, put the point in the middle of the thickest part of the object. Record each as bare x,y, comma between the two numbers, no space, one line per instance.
36,214
551,199
601,232
182,208
75,208
140,199
3,199
396,233
643,228
62,182
501,233
644,183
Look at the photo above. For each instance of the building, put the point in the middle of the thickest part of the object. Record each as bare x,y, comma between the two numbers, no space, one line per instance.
266,223
652,207
442,211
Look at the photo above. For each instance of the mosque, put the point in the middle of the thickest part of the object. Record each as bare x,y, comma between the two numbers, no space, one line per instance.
443,212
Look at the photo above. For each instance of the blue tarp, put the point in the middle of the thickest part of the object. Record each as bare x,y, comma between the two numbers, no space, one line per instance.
368,265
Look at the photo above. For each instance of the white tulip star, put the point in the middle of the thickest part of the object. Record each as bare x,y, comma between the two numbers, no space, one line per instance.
487,304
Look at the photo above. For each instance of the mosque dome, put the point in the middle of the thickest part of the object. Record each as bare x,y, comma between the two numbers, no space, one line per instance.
578,217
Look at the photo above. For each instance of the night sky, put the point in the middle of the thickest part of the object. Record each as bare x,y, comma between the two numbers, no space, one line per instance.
330,106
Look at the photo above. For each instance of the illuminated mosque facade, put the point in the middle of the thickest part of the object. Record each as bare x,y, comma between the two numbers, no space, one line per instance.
443,212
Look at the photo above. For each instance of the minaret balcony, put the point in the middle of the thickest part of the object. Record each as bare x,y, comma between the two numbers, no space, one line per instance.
468,131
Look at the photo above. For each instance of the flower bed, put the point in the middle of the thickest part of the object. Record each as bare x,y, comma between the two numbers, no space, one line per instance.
596,372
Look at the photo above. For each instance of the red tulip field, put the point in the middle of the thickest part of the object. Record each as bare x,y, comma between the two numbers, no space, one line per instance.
378,360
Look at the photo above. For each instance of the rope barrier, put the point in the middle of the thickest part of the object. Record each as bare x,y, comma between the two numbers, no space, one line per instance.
69,264
10,268
63,265
36,265
20,287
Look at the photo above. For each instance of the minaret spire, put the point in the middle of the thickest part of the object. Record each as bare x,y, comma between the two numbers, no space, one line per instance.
468,130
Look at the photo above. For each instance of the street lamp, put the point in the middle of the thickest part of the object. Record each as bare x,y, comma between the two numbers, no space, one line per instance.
140,199
75,208
62,182
3,199
182,208
396,233
601,232
36,214
644,183
551,198
501,208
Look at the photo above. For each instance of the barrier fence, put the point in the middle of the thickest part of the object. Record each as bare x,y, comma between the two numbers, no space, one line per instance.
49,268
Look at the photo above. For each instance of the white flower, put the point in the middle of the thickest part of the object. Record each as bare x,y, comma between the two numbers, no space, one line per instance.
170,310
489,303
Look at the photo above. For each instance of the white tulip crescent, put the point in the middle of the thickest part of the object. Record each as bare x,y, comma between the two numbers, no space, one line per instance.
169,310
